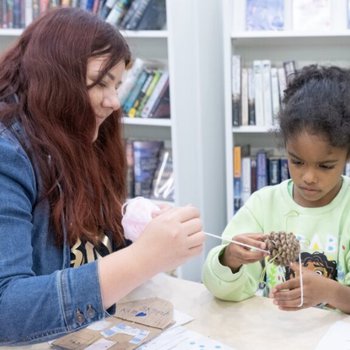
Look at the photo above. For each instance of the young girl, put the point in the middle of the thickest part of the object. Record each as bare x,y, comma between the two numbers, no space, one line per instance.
314,204
64,260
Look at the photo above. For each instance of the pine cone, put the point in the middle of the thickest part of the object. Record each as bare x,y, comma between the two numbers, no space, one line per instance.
284,247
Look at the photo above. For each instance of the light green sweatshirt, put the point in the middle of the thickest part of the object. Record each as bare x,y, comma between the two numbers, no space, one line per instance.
324,233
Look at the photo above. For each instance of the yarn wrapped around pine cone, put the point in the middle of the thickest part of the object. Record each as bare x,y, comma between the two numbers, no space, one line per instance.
284,247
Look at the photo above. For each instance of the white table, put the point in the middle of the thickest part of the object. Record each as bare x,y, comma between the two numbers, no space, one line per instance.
251,324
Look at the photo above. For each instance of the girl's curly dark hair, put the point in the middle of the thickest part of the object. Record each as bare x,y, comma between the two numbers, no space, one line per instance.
317,99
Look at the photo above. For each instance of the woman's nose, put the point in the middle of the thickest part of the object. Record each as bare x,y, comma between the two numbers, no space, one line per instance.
111,100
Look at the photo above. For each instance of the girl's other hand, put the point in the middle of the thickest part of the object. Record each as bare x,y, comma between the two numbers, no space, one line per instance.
235,255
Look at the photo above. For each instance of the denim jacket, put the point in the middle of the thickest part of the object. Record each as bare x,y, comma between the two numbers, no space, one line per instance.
41,297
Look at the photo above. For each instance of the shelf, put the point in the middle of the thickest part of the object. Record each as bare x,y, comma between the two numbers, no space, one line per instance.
11,32
147,122
274,38
145,34
126,33
253,129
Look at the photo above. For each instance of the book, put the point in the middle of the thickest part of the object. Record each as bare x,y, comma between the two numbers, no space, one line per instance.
289,70
106,8
236,89
237,178
129,150
284,169
251,97
246,178
137,15
129,14
136,105
146,158
274,170
163,183
258,93
129,102
162,108
311,15
261,169
117,11
264,15
154,17
244,98
282,83
155,78
253,182
266,91
130,79
275,94
158,91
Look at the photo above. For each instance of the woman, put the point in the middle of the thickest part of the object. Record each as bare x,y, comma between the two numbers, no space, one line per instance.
62,183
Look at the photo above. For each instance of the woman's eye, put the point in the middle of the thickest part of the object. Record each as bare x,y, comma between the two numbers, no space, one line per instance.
102,84
296,162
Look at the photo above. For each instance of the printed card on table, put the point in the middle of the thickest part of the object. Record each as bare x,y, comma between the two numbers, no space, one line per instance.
135,323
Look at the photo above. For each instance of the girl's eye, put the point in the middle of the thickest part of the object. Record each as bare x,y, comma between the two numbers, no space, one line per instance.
296,162
102,84
326,167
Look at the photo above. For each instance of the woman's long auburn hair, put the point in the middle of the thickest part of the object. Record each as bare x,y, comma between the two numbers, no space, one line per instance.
84,181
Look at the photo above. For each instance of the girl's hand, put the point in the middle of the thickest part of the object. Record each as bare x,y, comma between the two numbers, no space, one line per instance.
287,295
235,255
172,237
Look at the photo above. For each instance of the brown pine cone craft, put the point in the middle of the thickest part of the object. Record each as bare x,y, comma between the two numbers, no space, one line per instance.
284,247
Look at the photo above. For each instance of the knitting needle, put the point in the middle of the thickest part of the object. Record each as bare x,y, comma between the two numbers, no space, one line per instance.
236,242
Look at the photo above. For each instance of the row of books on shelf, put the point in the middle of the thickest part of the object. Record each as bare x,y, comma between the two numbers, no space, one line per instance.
150,169
145,91
257,91
125,14
252,172
296,15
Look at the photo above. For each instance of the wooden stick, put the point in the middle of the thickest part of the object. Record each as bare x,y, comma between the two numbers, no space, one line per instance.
236,242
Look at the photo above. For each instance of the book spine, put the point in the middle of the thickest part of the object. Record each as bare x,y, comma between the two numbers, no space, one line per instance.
251,97
130,79
135,92
149,91
275,96
236,89
117,12
258,93
245,109
106,8
237,178
133,110
156,95
261,170
146,158
129,14
266,90
284,169
246,179
274,171
136,18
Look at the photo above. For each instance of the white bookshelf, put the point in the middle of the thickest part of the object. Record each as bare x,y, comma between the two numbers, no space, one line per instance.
323,47
191,47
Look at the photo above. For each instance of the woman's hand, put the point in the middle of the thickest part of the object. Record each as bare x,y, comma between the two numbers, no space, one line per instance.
173,236
235,255
287,295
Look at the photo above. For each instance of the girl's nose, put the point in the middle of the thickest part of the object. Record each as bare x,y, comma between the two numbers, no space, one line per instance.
310,177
